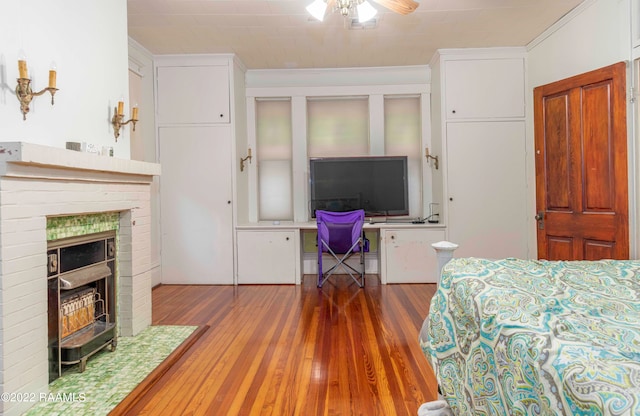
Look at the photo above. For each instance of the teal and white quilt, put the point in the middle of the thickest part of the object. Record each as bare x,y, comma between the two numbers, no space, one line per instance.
520,337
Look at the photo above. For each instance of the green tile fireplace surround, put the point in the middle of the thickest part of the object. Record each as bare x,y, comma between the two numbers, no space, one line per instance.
77,225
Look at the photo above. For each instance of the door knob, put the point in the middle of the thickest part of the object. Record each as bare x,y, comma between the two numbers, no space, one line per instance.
540,218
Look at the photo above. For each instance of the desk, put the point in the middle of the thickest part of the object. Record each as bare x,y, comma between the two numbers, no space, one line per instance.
268,253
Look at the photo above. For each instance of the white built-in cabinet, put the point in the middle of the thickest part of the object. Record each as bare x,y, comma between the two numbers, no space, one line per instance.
195,149
481,133
407,255
193,94
484,88
268,256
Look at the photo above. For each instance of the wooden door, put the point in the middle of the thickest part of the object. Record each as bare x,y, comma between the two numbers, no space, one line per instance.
581,167
196,212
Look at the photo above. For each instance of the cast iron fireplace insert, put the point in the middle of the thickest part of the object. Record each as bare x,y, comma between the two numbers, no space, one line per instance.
81,299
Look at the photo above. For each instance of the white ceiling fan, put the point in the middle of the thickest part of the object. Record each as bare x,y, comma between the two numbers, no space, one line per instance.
362,8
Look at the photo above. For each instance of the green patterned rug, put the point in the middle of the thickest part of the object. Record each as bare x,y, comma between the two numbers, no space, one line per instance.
110,376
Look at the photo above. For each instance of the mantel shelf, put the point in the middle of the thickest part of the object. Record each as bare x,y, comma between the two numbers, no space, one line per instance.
31,154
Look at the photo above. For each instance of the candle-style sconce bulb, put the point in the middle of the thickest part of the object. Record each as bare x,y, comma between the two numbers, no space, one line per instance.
134,115
118,116
24,93
22,65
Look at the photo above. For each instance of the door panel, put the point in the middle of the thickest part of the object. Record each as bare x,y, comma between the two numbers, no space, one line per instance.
557,151
558,248
598,249
581,166
195,205
599,176
408,256
487,189
203,99
470,81
267,257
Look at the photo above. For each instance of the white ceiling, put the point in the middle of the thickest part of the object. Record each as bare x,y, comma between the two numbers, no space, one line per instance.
270,34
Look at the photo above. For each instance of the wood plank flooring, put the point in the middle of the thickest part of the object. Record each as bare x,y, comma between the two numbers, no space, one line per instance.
295,350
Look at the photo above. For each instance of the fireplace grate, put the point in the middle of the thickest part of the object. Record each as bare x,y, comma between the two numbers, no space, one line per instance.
78,311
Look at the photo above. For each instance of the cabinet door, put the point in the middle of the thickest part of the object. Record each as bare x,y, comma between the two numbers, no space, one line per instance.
486,186
484,88
408,256
267,257
196,214
193,94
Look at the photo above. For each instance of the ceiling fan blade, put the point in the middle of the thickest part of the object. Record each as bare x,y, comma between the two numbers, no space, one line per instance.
399,6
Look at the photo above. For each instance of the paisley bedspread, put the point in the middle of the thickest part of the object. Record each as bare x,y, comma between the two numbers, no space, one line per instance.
520,337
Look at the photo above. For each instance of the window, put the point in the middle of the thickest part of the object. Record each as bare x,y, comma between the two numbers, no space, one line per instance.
402,137
338,127
274,153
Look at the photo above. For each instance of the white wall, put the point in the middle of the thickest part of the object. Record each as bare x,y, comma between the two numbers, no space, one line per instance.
595,35
88,42
143,143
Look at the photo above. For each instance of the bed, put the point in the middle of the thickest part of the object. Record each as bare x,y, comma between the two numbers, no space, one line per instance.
527,337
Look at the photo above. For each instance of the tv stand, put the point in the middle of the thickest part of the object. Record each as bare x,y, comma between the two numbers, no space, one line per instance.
404,253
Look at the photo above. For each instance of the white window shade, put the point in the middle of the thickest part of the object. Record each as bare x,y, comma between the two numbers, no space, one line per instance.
274,186
338,127
274,153
403,137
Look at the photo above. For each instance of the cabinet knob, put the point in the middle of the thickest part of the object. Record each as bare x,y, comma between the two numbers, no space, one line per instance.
453,111
393,237
450,199
229,202
221,115
287,238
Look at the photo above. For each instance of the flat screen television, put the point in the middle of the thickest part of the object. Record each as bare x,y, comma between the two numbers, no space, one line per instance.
376,184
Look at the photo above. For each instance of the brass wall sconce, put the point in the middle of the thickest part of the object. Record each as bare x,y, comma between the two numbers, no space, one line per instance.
245,159
25,94
118,116
429,156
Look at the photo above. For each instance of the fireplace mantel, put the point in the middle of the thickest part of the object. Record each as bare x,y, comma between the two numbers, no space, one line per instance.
14,156
40,182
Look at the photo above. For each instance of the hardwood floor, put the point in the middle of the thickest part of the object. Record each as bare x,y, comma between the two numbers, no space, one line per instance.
295,350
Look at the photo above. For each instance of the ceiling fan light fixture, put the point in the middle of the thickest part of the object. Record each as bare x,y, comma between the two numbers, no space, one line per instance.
318,9
366,11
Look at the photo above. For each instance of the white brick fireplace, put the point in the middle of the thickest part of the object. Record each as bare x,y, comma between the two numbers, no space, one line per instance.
37,182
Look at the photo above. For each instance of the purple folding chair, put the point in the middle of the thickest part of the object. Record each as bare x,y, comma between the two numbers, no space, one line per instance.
341,235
